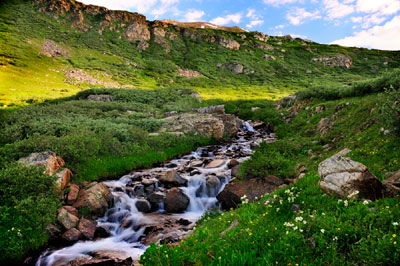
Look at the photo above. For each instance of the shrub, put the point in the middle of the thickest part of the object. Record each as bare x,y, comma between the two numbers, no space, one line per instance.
390,109
28,204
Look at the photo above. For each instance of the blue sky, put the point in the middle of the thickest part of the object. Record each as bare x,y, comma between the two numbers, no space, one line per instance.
361,23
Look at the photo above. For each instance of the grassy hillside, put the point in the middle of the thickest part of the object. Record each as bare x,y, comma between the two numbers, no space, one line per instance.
111,60
326,231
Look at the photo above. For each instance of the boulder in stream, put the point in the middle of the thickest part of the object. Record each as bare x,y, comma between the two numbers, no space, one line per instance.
173,178
176,201
143,205
94,201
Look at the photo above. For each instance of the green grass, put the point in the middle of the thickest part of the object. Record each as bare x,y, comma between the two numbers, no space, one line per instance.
269,233
28,77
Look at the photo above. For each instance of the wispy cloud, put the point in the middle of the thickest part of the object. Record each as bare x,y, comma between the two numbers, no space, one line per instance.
298,16
193,15
280,2
225,20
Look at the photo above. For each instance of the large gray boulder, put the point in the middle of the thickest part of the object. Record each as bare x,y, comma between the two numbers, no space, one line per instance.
172,178
341,177
176,201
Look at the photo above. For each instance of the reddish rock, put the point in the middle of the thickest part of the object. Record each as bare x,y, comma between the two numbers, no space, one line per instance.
72,235
94,200
72,194
215,163
252,188
87,228
71,210
66,219
176,201
63,178
48,159
232,163
235,171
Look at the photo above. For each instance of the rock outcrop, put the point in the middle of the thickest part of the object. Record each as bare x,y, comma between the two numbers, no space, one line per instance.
94,200
230,196
53,166
52,49
176,201
187,73
208,122
344,178
235,68
335,61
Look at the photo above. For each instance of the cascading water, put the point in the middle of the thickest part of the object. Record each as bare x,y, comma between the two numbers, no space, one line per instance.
127,225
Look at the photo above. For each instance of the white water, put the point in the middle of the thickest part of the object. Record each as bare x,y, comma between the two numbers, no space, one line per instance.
124,209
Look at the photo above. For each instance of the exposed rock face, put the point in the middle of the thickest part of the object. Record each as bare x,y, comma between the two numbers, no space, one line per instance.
95,199
235,68
252,188
67,219
100,98
63,178
261,36
188,73
77,76
227,43
138,31
176,201
338,60
323,126
51,49
208,122
263,46
172,178
269,57
344,178
48,159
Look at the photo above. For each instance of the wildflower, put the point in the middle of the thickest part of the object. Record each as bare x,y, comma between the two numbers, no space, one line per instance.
394,235
323,231
301,230
365,202
299,219
295,228
395,243
323,214
287,232
250,233
395,223
353,195
277,209
304,222
335,238
346,203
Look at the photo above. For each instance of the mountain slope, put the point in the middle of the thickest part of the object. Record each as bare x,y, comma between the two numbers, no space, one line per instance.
53,48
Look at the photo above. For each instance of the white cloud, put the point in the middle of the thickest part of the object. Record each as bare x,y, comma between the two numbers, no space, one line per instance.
336,9
279,26
356,19
193,15
386,7
280,2
384,37
297,16
254,23
251,13
373,19
140,6
298,36
235,18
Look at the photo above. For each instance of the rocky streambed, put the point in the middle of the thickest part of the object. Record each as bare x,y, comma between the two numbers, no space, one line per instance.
159,205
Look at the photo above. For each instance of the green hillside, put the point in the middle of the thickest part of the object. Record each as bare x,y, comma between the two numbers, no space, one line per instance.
50,49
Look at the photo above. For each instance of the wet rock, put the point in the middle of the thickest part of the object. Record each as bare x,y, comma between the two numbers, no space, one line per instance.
176,201
155,199
213,185
182,221
344,178
72,235
66,219
100,98
196,163
172,178
235,171
105,258
143,205
138,190
102,232
253,188
72,194
87,228
94,200
149,181
215,163
232,163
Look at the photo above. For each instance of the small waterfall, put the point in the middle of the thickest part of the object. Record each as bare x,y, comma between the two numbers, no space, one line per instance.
127,225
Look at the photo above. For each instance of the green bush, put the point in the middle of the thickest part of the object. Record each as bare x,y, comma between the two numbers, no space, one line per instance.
28,204
270,159
390,110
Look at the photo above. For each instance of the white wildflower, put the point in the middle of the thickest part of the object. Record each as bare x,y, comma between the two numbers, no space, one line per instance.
323,231
299,219
346,203
395,223
365,202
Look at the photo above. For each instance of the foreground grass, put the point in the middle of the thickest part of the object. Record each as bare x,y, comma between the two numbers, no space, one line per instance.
326,231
